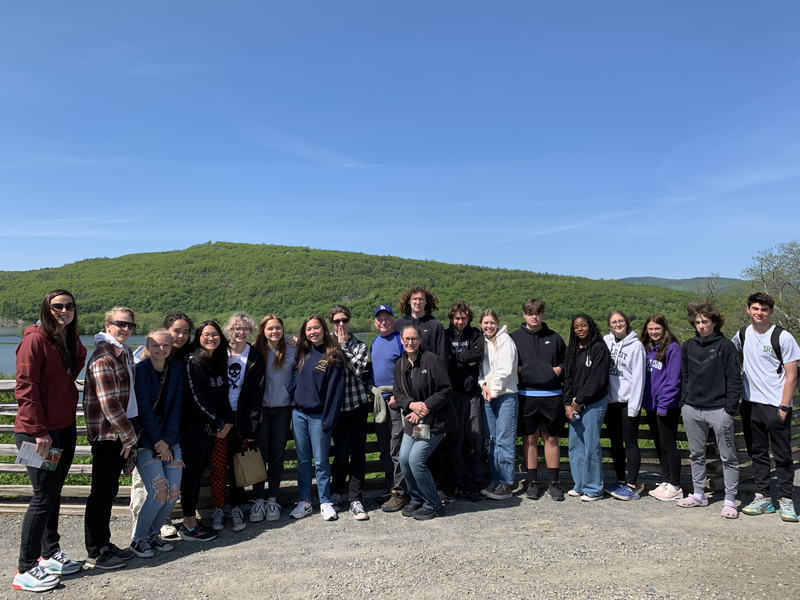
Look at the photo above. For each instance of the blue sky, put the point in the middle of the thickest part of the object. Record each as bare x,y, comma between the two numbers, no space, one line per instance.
604,140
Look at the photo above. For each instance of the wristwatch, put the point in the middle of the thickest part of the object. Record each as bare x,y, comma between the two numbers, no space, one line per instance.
784,408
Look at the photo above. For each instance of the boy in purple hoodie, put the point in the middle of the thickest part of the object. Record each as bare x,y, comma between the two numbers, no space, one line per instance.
662,394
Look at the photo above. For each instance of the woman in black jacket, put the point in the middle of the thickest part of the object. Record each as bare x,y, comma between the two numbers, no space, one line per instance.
206,415
422,389
585,401
246,373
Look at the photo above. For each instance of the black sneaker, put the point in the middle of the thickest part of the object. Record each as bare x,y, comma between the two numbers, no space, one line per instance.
425,513
106,561
460,494
473,495
409,508
198,534
533,490
556,493
142,549
120,553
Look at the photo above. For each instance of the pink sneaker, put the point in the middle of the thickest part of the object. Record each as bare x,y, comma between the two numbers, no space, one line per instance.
667,493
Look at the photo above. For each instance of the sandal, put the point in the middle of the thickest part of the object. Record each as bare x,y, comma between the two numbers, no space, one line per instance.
729,512
692,501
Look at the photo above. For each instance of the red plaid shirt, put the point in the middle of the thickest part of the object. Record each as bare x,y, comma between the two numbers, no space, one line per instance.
106,395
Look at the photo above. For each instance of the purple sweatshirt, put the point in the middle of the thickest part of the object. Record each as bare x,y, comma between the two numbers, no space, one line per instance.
662,382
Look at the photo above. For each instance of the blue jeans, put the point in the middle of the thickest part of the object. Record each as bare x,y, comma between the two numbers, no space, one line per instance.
585,455
413,463
500,420
159,479
311,443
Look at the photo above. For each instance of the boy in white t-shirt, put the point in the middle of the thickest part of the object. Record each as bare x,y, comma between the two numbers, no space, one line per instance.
767,404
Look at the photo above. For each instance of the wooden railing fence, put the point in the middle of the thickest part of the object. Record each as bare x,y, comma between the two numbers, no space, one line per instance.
375,477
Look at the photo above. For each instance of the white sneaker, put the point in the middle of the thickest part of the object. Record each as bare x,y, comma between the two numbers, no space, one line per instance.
328,512
35,580
303,509
59,564
237,518
168,529
257,512
273,511
216,519
358,512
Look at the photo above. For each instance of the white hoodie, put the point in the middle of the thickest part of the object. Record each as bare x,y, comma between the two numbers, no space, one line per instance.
627,372
499,367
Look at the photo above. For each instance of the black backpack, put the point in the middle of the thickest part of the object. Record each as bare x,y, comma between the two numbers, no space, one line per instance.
775,340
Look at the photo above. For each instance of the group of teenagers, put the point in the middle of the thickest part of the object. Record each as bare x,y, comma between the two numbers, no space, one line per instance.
196,396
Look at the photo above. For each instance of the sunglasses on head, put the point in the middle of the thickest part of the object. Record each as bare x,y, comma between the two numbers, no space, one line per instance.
124,324
67,306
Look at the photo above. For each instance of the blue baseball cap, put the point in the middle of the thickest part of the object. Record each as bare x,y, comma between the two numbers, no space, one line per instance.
385,307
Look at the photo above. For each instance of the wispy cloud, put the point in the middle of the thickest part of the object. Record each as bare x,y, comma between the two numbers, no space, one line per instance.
756,144
45,160
294,145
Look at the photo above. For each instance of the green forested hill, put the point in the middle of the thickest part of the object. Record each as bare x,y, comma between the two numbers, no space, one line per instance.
687,285
213,280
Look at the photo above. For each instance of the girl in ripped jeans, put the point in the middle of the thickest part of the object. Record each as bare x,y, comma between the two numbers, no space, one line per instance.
159,391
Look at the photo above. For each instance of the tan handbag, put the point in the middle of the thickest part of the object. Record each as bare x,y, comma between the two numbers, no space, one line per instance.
249,468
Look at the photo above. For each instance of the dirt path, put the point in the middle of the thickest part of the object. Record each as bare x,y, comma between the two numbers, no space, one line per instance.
511,549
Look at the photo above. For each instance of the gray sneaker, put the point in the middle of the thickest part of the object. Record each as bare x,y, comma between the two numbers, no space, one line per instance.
216,519
489,489
533,490
106,561
237,518
501,492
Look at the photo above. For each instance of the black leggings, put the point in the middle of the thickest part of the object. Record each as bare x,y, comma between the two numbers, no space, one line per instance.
665,435
40,525
623,432
196,446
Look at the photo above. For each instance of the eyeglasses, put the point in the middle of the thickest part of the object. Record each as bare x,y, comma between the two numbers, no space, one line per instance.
617,323
124,324
59,306
409,340
210,336
341,321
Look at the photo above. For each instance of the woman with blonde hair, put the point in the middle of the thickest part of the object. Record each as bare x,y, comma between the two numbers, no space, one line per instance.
498,381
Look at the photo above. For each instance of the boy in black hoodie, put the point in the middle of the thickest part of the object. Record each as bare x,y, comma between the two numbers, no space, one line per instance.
711,389
462,447
541,354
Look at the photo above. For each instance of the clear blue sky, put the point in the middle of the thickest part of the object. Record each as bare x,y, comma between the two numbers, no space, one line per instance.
602,139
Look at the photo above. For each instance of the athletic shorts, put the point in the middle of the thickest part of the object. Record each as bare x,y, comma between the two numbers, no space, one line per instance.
543,413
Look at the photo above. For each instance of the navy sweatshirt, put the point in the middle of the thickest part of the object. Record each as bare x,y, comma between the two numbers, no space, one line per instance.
320,387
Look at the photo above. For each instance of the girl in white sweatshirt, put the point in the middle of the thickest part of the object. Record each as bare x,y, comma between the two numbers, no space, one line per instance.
625,392
498,381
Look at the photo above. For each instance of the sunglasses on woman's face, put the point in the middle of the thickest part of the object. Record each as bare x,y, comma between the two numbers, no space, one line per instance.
124,324
59,306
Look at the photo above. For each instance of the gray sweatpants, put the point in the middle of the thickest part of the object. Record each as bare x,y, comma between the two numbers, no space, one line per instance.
696,421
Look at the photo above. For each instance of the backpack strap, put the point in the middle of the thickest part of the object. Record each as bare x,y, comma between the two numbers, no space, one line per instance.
775,340
742,333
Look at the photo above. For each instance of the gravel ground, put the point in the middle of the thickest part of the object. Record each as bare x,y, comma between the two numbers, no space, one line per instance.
516,548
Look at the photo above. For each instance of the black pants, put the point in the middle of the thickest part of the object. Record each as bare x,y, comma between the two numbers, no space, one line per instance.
764,429
349,451
40,525
196,446
390,436
107,463
623,432
272,444
462,447
665,438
